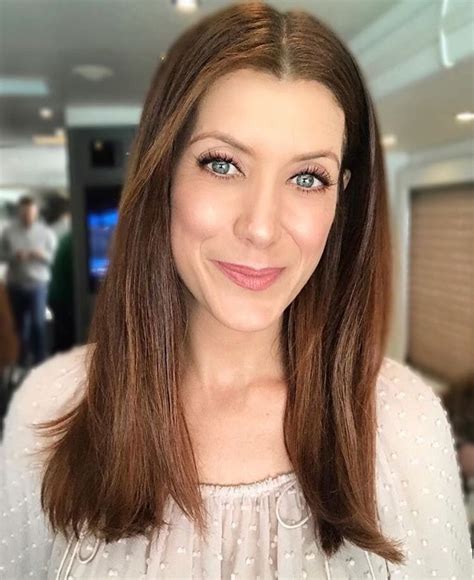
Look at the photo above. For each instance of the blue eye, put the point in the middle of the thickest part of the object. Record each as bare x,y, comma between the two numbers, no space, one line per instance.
312,180
305,180
220,166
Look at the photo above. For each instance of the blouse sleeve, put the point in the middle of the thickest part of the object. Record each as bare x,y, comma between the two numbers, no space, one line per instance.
25,536
424,477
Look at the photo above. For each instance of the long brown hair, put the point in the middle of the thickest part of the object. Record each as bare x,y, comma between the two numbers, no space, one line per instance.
125,447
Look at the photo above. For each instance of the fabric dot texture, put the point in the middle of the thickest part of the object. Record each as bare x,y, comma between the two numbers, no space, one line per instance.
258,531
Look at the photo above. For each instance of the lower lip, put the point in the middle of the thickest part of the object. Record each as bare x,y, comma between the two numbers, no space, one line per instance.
253,282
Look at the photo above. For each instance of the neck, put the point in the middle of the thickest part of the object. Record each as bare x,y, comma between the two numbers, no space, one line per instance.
222,358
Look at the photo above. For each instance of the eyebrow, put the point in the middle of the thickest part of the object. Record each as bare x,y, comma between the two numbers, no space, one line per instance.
241,147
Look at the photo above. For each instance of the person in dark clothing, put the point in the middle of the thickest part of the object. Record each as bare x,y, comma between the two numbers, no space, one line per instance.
61,296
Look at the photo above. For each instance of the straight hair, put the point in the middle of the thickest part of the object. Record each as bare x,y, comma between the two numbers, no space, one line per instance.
127,439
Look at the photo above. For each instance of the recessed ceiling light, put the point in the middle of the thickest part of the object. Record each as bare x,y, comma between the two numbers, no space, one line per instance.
465,117
389,140
22,87
93,72
45,113
186,5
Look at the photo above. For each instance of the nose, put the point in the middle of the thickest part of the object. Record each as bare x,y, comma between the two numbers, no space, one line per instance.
259,219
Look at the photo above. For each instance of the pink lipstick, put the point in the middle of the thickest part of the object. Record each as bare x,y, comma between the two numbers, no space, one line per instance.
250,278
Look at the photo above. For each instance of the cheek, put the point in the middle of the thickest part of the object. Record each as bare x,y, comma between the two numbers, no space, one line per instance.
310,230
196,215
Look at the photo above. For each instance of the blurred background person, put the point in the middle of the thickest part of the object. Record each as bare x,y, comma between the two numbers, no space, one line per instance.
57,214
61,295
28,247
459,404
8,351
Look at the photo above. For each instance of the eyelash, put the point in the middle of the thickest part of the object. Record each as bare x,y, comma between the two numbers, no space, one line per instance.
316,172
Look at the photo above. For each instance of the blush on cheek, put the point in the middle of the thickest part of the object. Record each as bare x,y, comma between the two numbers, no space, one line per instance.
195,212
311,232
198,214
205,217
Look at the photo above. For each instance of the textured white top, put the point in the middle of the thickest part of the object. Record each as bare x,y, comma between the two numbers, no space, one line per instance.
259,530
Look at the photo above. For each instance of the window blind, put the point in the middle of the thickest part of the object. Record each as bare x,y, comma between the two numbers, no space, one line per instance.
441,282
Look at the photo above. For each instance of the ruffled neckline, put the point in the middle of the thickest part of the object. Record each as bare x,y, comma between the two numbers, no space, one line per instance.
267,485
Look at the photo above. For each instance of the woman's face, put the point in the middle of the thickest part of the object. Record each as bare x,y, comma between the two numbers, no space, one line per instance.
254,195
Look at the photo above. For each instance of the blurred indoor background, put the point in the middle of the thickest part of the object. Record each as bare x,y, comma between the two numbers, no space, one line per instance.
73,75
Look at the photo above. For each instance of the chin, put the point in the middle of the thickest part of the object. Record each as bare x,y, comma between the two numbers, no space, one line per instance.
242,318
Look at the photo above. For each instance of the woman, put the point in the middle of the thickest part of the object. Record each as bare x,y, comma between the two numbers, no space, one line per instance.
233,418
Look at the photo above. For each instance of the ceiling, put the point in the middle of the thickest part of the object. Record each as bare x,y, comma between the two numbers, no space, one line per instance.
424,115
47,38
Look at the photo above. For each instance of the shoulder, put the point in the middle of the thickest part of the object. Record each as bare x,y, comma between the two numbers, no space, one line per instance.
411,420
46,393
418,464
26,537
404,395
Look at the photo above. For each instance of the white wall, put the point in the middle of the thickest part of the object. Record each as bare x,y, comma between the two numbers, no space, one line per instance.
33,167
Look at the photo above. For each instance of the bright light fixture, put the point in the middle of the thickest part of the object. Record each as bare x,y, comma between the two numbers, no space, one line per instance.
22,87
465,117
57,139
389,140
186,5
45,113
12,195
93,72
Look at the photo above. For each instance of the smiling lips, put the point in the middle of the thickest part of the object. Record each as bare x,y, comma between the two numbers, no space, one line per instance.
250,278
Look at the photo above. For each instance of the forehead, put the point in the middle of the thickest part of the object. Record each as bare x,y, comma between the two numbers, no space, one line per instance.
263,110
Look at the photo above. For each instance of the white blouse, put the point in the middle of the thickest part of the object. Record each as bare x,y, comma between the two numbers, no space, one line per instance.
260,530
